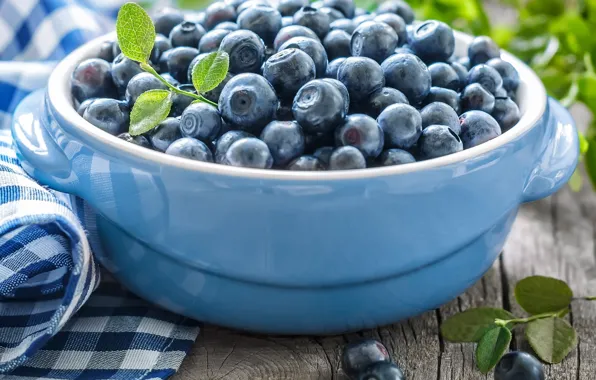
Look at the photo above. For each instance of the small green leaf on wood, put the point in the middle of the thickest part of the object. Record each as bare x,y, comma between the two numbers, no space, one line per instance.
539,294
210,71
136,32
492,347
552,339
472,324
150,109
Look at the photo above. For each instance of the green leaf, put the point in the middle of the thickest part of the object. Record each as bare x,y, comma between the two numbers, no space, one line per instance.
472,324
150,109
136,33
210,71
590,161
552,339
538,294
492,347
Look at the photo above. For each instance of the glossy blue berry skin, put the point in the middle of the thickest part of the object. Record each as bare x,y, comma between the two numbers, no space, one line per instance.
381,371
482,49
405,49
179,60
444,95
324,154
137,140
246,51
106,51
346,158
407,73
477,127
285,141
289,32
333,67
375,40
362,19
506,113
224,141
342,89
251,4
437,141
337,44
462,72
139,84
362,76
401,125
440,114
227,25
249,152
519,366
313,48
359,355
83,106
485,75
288,71
160,46
166,20
214,94
165,134
362,132
443,75
190,148
383,98
306,163
109,115
248,102
344,24
212,39
180,102
508,73
398,7
123,69
394,156
397,23
332,13
289,7
187,34
264,21
92,78
200,121
319,107
433,41
217,13
346,7
476,97
287,21
313,19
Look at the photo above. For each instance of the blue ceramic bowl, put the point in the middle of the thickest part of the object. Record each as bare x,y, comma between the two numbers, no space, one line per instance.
297,253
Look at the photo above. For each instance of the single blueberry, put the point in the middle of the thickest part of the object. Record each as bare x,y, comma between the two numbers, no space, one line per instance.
227,25
319,107
83,106
109,115
508,73
264,21
106,51
506,113
340,86
187,34
166,20
285,141
289,7
375,40
246,51
193,149
313,19
362,76
362,132
224,141
401,124
287,21
397,23
212,39
214,94
381,371
444,95
478,127
398,7
476,97
482,49
392,157
438,140
433,41
137,140
344,24
288,71
337,44
289,32
306,163
407,73
443,75
217,13
359,355
346,7
249,152
165,134
462,73
519,366
488,77
313,48
251,4
248,102
440,114
200,121
92,78
363,18
324,154
333,67
141,83
346,158
383,98
179,60
180,102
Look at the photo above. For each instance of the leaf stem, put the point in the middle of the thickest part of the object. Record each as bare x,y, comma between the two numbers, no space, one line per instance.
172,88
516,321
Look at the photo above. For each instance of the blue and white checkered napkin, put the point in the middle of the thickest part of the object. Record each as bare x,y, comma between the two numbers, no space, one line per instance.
55,322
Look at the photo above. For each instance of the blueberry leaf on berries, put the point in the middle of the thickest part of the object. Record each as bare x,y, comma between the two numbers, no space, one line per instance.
136,32
210,71
151,108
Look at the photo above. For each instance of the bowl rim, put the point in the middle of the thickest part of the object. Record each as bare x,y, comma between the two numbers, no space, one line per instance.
531,94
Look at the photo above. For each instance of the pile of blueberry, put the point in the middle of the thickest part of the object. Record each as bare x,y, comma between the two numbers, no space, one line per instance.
321,86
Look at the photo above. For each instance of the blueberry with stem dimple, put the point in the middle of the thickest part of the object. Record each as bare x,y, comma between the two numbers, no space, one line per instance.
190,148
375,40
313,19
246,51
264,21
383,98
249,152
401,125
476,97
359,355
408,74
362,76
440,114
187,34
519,366
437,141
362,132
433,41
109,115
165,134
319,107
92,79
391,157
313,48
224,141
306,163
289,32
346,158
478,127
288,71
285,140
200,121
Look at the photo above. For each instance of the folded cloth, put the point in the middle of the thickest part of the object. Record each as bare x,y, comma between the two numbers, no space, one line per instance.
57,319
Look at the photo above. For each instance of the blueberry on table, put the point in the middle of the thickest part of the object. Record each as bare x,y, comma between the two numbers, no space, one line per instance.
214,94
381,371
166,20
482,49
337,44
438,140
193,149
440,114
200,121
264,21
333,14
401,125
227,25
362,132
443,75
313,19
519,366
375,40
224,141
398,7
362,76
306,163
487,76
187,34
391,157
383,98
212,39
109,115
246,51
83,106
249,152
478,127
359,355
346,7
506,113
165,134
346,158
344,24
92,78
397,23
407,73
106,51
217,13
288,71
319,107
289,32
248,102
433,41
180,102
444,95
508,73
139,84
313,48
333,67
285,141
137,140
179,60
324,154
289,7
476,97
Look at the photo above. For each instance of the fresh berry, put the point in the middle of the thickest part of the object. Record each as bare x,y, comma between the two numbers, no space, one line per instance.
246,51
106,51
359,355
337,44
92,79
405,49
289,7
437,141
288,71
443,75
249,152
488,77
313,48
506,113
141,83
443,95
383,98
180,102
109,115
392,157
440,114
165,134
313,19
319,107
83,106
433,41
179,60
346,7
333,67
200,121
362,76
462,73
214,94
227,25
212,39
465,62
519,366
401,125
482,49
324,154
407,73
217,13
285,141
344,24
166,20
332,13
289,32
398,7
381,371
477,127
362,132
137,140
306,163
342,89
397,23
193,149
508,73
187,34
363,18
264,21
476,97
346,158
375,40
251,4
224,141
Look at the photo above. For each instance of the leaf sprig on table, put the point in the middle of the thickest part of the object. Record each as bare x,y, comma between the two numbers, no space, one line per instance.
546,300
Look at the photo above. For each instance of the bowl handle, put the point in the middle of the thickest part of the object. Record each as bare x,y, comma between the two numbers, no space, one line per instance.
559,158
39,154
